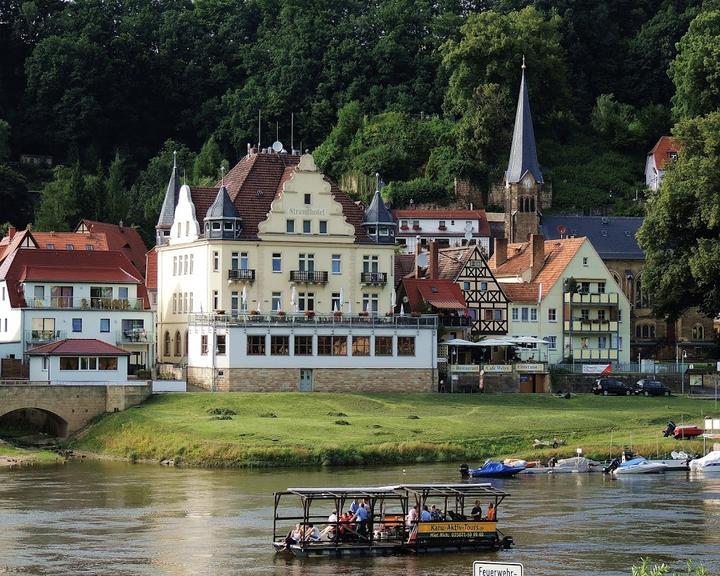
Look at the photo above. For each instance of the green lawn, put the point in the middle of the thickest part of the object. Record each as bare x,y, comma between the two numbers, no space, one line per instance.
20,456
301,429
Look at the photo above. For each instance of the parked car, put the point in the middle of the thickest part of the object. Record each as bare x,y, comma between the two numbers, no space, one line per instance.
648,387
608,386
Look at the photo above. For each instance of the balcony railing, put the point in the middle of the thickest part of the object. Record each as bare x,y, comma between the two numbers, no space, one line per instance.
309,276
87,303
39,337
373,277
596,298
595,353
242,275
134,336
455,321
314,320
594,325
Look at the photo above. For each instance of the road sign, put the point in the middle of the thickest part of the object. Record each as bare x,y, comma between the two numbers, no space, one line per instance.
496,569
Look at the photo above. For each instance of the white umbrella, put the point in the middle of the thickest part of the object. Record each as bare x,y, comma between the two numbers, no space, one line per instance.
349,307
335,307
293,299
393,298
258,306
342,298
402,309
243,297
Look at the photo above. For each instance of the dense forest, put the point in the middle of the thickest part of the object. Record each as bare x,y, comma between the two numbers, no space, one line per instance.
418,91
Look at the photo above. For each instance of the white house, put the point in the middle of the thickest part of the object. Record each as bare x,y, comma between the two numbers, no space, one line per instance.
665,150
48,295
78,361
445,227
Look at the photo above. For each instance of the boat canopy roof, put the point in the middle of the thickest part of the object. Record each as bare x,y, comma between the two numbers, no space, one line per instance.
436,490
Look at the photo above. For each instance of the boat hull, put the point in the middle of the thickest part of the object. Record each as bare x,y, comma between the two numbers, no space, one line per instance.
646,468
673,465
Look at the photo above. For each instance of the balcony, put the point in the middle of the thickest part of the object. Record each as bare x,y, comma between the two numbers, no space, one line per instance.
596,299
39,337
308,276
242,275
373,278
68,302
455,321
595,354
134,336
591,326
315,320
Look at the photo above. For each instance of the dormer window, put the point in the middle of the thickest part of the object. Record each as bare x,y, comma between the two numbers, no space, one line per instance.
216,226
228,226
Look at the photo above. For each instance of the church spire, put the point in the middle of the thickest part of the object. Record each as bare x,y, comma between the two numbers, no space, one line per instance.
523,154
167,211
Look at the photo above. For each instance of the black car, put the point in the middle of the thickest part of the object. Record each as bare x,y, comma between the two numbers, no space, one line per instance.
608,386
648,387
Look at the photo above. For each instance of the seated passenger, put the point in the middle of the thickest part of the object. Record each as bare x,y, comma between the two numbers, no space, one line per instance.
312,534
329,531
491,512
425,515
435,513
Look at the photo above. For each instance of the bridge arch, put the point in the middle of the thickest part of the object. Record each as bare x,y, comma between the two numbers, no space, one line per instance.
34,419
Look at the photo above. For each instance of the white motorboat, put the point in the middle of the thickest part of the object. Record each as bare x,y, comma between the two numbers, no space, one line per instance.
639,466
709,464
678,463
576,464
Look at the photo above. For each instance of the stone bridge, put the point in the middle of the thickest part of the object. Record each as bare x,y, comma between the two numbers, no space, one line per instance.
63,410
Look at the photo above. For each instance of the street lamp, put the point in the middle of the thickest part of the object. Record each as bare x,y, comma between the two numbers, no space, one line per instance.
682,376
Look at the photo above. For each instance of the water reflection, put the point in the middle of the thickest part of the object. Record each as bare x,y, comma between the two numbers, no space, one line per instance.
112,518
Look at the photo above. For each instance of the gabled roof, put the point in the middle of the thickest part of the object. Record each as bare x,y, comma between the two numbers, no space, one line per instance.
451,261
68,266
614,237
404,266
77,347
8,246
521,292
125,239
377,212
255,181
440,294
558,254
663,150
523,154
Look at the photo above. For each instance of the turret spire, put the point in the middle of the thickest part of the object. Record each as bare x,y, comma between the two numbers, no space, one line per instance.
523,153
167,211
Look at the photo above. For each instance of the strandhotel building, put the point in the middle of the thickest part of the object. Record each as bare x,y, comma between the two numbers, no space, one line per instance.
277,280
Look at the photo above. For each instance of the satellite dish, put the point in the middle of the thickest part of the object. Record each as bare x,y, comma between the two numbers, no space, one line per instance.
277,146
422,259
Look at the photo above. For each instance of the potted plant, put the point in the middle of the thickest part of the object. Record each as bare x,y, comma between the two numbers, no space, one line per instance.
281,313
363,313
337,314
309,313
404,227
255,313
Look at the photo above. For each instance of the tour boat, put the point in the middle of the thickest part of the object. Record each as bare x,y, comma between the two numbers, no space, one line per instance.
638,466
388,529
491,469
708,464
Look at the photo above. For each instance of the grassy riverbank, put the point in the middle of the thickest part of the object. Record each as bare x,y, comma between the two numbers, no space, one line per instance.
238,429
12,456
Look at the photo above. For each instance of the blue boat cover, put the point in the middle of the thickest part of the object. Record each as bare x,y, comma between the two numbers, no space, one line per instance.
495,469
633,462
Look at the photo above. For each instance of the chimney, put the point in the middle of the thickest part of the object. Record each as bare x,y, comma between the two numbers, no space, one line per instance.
418,250
537,254
11,232
433,261
500,251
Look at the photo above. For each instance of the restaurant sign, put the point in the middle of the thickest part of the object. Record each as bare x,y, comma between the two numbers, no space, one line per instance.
455,529
464,368
497,368
530,367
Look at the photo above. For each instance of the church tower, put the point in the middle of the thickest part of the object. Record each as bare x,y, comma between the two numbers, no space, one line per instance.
523,179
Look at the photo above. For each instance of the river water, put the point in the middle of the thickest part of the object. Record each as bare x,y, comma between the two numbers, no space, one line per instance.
121,519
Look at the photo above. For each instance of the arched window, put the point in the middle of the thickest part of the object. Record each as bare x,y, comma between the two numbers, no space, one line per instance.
531,204
698,332
178,343
638,293
166,344
645,331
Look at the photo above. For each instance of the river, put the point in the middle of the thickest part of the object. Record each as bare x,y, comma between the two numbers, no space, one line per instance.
121,519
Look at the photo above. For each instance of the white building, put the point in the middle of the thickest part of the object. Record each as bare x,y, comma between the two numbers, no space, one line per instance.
49,295
665,150
78,361
445,227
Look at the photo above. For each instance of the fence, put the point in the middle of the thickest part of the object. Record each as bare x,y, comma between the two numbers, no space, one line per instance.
635,368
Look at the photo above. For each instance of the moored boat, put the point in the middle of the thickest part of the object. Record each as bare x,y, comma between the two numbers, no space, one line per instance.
636,466
708,464
575,464
491,469
388,525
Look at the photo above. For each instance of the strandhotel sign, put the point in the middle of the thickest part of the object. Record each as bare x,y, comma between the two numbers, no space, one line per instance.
307,211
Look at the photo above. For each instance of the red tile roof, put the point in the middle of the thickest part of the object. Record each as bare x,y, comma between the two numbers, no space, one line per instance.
521,291
479,215
67,266
77,347
255,181
441,294
8,246
151,269
451,261
558,254
663,150
122,239
404,266
61,240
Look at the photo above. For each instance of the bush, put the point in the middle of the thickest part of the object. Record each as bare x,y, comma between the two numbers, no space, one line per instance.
221,412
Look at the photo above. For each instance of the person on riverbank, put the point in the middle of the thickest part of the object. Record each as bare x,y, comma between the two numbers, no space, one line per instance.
476,512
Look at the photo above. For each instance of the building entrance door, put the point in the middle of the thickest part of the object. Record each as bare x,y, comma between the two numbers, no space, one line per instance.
306,380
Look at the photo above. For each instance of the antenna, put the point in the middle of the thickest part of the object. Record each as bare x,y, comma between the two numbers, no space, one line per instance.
259,120
377,181
222,175
175,161
277,131
292,132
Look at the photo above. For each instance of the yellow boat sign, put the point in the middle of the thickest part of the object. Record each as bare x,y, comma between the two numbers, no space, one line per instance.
455,529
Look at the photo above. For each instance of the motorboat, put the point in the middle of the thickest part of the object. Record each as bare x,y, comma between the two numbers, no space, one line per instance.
491,469
679,461
636,466
708,464
575,464
682,432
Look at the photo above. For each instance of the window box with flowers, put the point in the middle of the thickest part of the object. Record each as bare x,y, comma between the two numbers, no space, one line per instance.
416,227
363,313
404,227
281,313
255,313
309,314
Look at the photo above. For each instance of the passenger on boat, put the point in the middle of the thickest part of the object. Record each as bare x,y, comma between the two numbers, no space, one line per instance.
412,516
329,531
435,513
345,527
294,536
425,515
361,516
476,512
312,534
380,532
491,513
354,506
